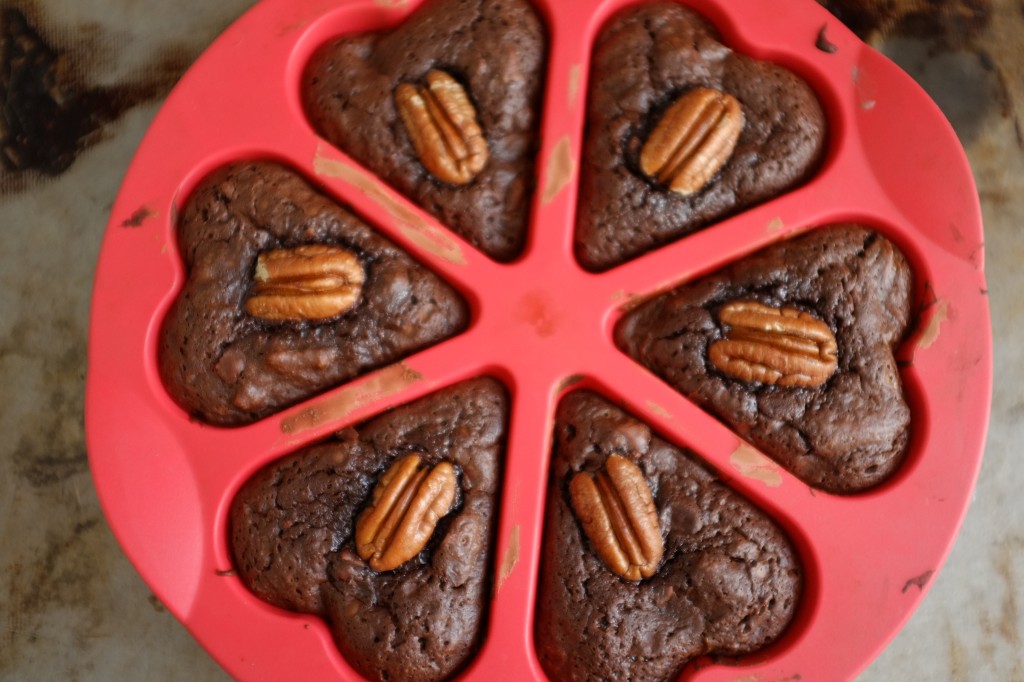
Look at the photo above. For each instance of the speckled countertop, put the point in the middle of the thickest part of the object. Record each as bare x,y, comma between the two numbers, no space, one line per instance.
73,608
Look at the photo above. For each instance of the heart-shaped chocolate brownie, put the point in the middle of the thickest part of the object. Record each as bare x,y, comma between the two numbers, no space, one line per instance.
296,526
444,108
793,348
727,582
288,294
681,132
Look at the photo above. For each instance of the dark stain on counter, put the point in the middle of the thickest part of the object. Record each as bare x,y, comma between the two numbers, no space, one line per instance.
1000,623
953,22
71,573
51,449
949,48
1007,622
61,562
50,108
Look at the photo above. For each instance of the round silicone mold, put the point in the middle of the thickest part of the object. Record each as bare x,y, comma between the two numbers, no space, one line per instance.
543,325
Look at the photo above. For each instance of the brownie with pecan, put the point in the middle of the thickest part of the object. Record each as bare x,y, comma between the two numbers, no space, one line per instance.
793,348
444,108
288,294
649,561
385,531
682,132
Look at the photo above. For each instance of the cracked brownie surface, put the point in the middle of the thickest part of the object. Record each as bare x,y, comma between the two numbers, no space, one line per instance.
728,583
228,367
496,50
644,58
843,436
292,527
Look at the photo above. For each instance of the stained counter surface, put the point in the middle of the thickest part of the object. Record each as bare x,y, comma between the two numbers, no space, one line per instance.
71,605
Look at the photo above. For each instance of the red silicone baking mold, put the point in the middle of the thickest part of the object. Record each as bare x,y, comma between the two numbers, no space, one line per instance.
543,325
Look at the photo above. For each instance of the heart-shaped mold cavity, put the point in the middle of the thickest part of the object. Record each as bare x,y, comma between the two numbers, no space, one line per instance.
849,429
357,90
293,526
645,59
228,366
728,584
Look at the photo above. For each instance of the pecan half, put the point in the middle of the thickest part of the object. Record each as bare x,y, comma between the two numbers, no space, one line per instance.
441,121
617,512
780,346
405,508
314,282
694,139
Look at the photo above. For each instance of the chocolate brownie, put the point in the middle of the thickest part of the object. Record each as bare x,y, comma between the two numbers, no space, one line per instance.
645,58
844,435
292,528
496,50
728,582
228,367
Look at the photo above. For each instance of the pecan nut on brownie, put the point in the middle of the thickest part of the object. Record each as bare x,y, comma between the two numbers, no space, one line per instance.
725,580
793,347
645,61
296,526
444,108
288,294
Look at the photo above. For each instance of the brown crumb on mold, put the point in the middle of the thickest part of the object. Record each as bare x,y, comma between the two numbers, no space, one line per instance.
918,581
417,229
752,464
569,382
658,410
823,43
378,386
509,560
560,170
141,215
931,331
575,72
434,241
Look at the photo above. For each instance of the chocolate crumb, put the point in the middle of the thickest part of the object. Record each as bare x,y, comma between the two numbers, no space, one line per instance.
823,43
140,216
918,581
43,117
